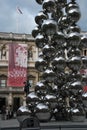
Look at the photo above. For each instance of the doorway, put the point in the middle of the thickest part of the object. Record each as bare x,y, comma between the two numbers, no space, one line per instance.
2,102
16,103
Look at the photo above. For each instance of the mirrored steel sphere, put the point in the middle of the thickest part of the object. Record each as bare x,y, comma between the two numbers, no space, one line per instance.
39,1
74,15
40,55
35,31
84,80
73,28
73,39
77,114
59,111
49,27
42,112
40,86
70,6
84,98
84,62
41,65
73,11
73,52
61,3
40,41
84,41
23,110
55,90
48,51
75,77
58,115
75,86
59,38
48,75
52,100
75,63
40,17
57,13
63,22
22,113
32,98
58,80
48,5
59,52
59,63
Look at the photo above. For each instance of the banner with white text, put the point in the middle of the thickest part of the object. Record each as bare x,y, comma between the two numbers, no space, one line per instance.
17,68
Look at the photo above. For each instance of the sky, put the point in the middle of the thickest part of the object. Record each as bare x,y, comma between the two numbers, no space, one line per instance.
13,21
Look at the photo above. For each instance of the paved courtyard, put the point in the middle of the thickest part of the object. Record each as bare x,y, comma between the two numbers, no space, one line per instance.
13,124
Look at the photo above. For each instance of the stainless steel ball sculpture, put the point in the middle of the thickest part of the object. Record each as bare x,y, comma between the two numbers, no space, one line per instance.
60,93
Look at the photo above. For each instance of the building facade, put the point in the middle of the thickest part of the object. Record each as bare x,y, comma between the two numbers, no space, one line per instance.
15,96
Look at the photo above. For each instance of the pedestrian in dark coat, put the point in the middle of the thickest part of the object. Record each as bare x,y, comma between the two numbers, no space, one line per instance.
3,111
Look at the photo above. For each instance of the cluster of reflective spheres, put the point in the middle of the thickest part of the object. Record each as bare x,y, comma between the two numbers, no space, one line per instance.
59,39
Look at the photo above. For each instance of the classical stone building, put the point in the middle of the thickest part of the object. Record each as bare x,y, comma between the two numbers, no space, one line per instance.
15,96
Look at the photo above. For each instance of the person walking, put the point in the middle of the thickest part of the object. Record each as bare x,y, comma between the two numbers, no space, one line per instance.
3,111
27,87
10,113
7,113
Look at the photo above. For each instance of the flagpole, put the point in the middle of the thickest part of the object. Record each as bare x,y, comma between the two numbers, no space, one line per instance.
19,12
17,26
17,21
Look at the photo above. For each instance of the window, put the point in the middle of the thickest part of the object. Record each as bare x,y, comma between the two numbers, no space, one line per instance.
84,52
3,53
31,82
30,55
3,83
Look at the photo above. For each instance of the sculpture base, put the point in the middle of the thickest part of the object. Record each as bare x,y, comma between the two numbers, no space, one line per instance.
13,124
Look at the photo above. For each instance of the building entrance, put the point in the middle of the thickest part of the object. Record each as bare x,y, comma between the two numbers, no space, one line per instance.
16,103
2,103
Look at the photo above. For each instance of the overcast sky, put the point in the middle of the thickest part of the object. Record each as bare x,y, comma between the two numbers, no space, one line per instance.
12,21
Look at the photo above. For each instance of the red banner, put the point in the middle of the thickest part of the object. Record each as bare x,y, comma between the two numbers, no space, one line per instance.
85,88
84,72
17,68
